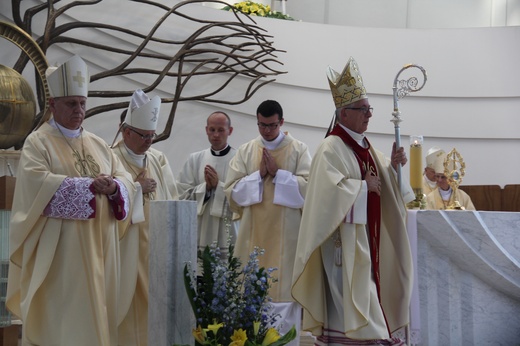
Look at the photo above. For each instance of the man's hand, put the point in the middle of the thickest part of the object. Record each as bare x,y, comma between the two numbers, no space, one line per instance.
398,157
104,184
211,178
147,184
373,183
270,164
263,167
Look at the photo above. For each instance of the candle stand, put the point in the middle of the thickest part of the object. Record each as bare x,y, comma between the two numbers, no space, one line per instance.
416,173
419,202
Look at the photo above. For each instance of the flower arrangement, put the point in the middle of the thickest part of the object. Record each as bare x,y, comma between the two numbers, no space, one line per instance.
231,305
256,9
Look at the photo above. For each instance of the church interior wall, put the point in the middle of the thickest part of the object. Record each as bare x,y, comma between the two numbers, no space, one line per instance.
471,99
416,14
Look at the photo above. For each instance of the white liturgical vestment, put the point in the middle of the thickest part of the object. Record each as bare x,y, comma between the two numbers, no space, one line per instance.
215,218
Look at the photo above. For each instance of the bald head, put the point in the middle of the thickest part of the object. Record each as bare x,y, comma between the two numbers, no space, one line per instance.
219,114
218,129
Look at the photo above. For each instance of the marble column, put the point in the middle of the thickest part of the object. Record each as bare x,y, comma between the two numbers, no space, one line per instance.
173,242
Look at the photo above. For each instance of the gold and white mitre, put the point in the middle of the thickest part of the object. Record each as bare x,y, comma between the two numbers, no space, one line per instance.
346,87
69,79
440,165
143,112
431,155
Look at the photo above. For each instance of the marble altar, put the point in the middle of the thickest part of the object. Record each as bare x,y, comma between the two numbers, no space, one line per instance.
467,290
173,242
468,274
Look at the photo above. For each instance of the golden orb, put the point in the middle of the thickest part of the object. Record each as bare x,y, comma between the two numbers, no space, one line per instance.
17,107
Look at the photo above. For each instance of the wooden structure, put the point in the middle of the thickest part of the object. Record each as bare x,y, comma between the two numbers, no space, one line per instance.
9,335
493,197
214,55
6,191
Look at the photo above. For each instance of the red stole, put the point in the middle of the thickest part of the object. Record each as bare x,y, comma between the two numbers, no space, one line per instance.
366,162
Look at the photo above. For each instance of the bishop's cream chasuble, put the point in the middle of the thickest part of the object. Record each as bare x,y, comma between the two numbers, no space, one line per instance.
340,294
64,270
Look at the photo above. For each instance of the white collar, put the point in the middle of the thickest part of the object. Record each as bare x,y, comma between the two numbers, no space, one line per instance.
275,142
140,160
221,152
66,132
445,194
358,137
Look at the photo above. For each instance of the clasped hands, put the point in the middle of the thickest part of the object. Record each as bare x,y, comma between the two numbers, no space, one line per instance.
267,164
147,184
104,184
211,178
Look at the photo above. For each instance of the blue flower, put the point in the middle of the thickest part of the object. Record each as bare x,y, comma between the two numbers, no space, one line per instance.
233,296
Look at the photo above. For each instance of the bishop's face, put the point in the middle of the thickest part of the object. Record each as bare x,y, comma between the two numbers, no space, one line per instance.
137,140
442,181
69,111
430,173
355,116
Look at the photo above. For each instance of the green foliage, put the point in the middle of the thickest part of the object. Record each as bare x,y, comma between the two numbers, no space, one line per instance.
256,9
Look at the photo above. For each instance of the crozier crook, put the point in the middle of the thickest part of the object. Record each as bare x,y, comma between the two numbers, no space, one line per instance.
401,89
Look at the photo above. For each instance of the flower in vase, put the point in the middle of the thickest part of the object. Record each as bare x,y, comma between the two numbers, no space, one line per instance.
231,303
271,336
199,334
238,338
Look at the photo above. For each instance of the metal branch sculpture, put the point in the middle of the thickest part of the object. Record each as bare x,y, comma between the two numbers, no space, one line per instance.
213,55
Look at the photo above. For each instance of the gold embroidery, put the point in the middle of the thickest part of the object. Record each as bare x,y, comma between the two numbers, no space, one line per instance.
85,164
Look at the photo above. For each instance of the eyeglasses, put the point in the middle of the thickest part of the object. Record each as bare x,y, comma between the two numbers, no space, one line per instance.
144,137
363,110
264,126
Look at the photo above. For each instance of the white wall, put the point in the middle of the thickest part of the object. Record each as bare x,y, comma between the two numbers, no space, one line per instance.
415,14
471,100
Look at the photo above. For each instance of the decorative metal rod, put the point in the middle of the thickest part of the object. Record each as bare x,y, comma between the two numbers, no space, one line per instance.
10,170
401,89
